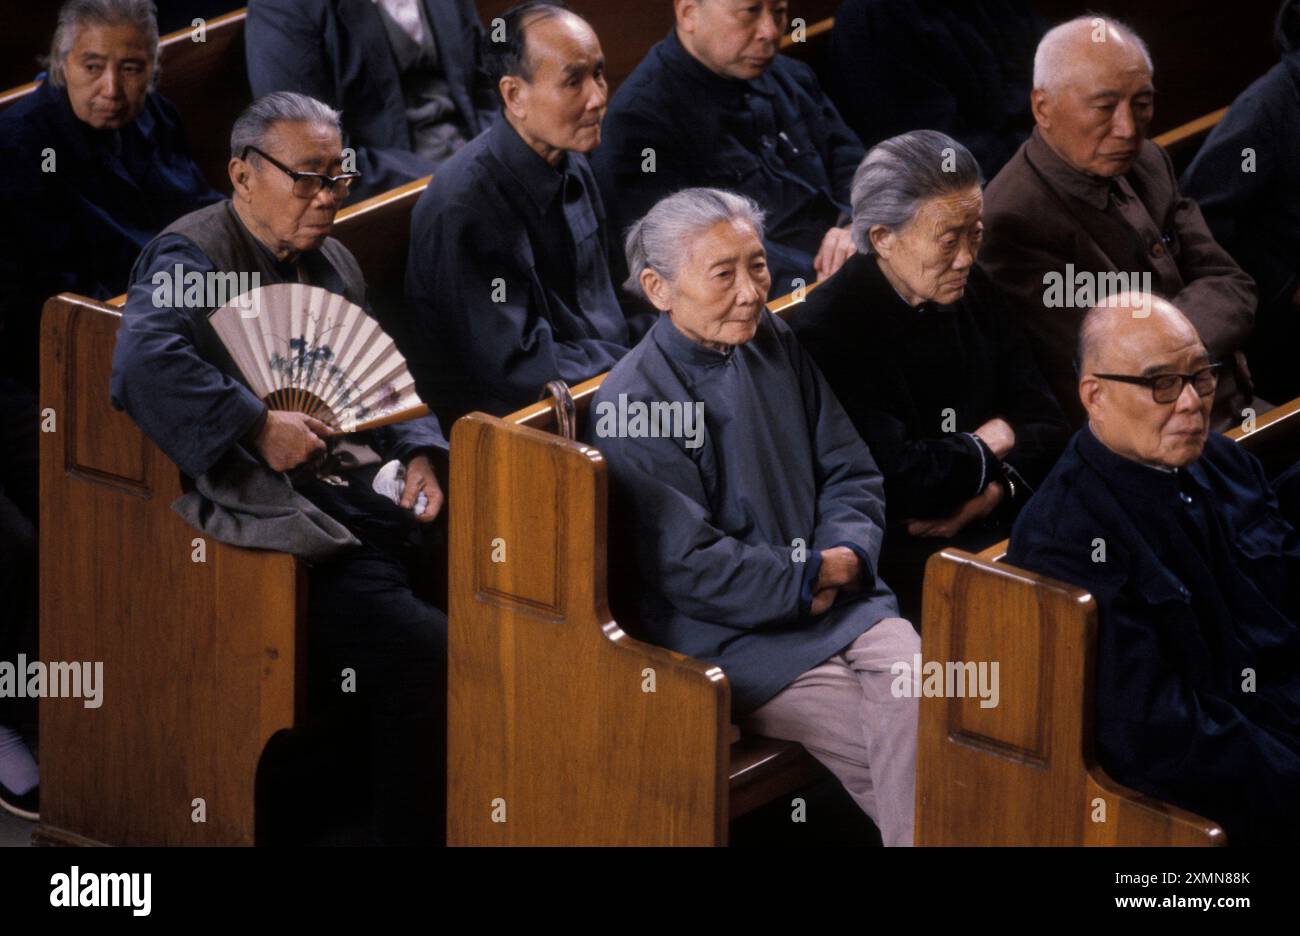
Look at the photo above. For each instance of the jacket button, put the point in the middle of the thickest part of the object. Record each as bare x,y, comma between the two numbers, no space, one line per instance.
1157,249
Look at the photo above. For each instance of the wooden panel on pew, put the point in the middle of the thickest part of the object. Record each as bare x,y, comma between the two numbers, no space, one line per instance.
200,659
549,726
208,83
1023,772
1273,437
378,232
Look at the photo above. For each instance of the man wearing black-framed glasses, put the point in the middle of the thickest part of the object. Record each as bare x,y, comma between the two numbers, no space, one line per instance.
1192,559
177,381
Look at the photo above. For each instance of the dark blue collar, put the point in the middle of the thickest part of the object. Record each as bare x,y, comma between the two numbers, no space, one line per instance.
535,175
679,347
1133,479
56,98
688,66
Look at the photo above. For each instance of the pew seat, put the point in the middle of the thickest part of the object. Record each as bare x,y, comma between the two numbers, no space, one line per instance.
554,737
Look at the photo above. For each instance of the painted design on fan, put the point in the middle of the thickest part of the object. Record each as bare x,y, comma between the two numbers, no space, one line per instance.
304,361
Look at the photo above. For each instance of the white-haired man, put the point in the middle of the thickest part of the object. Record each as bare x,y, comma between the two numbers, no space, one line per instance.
1088,205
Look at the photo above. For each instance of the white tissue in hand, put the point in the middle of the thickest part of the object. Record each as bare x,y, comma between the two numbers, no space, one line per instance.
390,481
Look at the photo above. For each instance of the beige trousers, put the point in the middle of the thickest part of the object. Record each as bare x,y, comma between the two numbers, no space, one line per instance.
844,714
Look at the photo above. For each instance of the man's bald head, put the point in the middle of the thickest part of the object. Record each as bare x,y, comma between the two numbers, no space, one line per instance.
1139,337
1093,98
1125,322
1070,48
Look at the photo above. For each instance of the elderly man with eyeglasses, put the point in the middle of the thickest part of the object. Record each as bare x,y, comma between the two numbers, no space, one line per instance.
174,377
1193,562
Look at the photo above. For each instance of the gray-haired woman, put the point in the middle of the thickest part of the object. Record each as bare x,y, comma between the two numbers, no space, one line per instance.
748,511
922,350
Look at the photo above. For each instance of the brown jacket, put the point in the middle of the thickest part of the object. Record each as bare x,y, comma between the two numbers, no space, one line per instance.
1046,223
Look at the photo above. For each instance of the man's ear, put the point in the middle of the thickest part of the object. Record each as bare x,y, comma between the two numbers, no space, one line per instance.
684,11
512,89
241,174
1090,391
1040,105
656,289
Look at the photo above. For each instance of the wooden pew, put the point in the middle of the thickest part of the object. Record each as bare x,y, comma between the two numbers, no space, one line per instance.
1183,142
549,725
1023,772
202,661
1026,772
208,83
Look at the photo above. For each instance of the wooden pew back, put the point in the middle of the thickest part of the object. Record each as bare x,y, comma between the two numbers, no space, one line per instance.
1023,772
1015,775
200,658
551,728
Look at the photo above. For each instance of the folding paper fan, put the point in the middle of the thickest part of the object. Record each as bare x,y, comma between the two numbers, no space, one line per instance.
307,350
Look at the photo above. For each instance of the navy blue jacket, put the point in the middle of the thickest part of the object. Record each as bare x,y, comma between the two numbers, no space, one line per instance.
506,278
338,52
1200,583
79,227
777,139
727,527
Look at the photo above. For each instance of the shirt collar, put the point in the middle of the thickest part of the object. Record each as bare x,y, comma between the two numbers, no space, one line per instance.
1092,190
535,175
679,347
1146,483
687,65
111,140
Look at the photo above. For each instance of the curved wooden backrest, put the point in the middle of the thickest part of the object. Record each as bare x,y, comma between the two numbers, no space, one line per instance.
378,232
1023,772
562,728
200,659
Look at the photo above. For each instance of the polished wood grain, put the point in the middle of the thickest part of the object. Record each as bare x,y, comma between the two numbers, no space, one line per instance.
1023,772
208,83
547,712
201,661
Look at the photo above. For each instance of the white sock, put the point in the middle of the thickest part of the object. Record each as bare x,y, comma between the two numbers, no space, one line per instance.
18,770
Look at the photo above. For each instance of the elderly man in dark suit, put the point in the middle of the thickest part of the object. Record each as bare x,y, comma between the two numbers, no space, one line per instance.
1193,563
1088,208
403,72
714,104
174,377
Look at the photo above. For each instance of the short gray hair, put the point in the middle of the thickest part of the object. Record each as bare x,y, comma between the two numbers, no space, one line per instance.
901,173
74,15
253,126
1048,66
661,240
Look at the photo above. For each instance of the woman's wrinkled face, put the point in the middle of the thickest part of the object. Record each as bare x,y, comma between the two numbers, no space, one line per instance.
718,293
929,259
107,75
